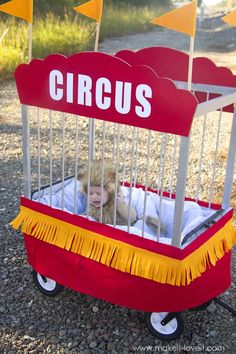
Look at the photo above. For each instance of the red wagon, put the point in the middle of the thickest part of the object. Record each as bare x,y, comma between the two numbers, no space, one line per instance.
167,142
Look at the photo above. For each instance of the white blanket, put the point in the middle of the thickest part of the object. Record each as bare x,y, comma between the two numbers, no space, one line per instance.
193,216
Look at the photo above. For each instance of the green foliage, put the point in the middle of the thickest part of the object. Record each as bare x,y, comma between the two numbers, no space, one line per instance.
130,19
144,3
57,28
62,36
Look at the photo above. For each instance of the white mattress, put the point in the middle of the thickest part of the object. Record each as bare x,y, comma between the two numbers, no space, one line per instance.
194,214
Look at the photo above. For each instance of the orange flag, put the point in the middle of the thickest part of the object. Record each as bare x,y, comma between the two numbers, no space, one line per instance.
19,8
230,18
182,19
92,9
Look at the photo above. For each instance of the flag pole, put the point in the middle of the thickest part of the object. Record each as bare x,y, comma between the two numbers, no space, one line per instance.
30,30
92,132
98,26
97,36
183,20
190,63
30,42
92,9
191,51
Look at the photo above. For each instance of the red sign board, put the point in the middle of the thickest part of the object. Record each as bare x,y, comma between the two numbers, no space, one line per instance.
172,63
103,86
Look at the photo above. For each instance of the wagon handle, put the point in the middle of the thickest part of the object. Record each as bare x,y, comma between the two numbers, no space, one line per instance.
223,304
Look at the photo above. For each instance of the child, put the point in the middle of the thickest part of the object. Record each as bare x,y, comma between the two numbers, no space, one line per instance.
105,197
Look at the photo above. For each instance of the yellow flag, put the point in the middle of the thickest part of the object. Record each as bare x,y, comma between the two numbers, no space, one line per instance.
19,8
230,18
92,9
182,19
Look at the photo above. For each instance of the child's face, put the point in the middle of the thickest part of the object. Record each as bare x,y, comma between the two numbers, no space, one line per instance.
95,196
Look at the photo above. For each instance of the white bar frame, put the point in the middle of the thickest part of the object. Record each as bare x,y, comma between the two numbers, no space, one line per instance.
26,151
76,161
180,190
131,179
212,184
146,180
230,168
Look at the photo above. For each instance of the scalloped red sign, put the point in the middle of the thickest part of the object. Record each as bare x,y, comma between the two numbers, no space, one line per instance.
102,86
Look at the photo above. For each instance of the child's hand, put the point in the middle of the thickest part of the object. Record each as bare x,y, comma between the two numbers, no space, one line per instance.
153,223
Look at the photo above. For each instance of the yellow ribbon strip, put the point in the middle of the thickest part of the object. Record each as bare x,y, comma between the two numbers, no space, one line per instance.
125,257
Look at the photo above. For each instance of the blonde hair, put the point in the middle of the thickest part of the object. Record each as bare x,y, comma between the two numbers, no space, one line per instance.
97,169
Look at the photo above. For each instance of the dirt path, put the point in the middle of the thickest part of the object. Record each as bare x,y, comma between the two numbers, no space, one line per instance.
30,323
214,39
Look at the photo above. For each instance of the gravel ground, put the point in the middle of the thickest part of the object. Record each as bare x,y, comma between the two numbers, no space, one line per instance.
73,322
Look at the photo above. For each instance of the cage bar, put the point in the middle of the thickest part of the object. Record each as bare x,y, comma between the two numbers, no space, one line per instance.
26,151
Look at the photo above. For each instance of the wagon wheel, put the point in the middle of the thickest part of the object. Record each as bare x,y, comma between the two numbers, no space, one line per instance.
164,325
46,285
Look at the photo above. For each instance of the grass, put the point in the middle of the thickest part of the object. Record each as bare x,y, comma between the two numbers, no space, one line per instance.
68,33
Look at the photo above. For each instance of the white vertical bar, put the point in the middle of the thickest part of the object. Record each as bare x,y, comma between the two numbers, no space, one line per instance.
190,63
102,177
124,162
39,153
63,161
50,155
131,179
26,151
201,158
180,190
215,160
97,36
201,153
92,132
173,166
160,160
230,169
76,161
146,180
136,157
89,163
114,142
117,168
30,35
162,186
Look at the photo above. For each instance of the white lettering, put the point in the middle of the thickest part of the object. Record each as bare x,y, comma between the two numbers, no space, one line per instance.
55,79
103,91
123,97
84,90
103,85
142,93
69,87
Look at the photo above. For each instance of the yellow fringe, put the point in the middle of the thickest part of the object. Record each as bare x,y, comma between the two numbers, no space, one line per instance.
125,257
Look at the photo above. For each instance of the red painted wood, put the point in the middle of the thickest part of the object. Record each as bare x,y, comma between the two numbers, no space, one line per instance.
172,63
151,103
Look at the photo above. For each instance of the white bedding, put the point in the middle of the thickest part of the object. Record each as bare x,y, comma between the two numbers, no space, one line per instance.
194,215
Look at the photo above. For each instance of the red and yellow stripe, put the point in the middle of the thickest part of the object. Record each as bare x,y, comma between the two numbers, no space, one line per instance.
172,266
